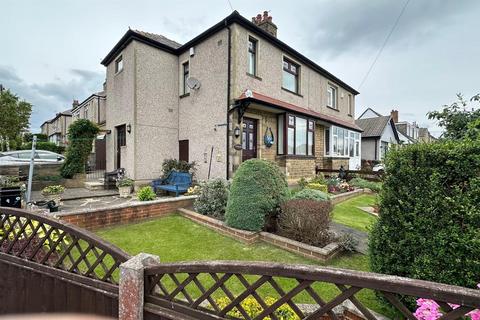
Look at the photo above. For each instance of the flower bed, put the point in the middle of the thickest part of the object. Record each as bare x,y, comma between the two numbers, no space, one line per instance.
319,254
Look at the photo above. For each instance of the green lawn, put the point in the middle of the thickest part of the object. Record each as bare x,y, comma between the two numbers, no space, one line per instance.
175,238
348,214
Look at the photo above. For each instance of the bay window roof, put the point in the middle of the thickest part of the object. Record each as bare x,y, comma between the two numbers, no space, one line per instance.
286,106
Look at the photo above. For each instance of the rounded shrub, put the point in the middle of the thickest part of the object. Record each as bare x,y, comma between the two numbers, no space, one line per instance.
311,194
429,220
212,198
306,221
257,191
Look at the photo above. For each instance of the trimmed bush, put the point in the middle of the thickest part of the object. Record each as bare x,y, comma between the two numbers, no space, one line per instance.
146,194
42,145
429,220
212,198
306,221
257,191
81,134
362,183
311,194
317,186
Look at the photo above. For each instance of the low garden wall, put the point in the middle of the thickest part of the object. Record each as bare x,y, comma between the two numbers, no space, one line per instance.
125,213
248,237
335,199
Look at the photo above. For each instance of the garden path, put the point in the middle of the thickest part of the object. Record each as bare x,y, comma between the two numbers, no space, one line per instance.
360,236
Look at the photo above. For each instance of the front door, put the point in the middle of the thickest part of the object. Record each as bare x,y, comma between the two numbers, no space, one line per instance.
121,141
249,139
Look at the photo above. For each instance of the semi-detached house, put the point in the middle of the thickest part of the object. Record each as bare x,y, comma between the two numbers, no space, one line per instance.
250,95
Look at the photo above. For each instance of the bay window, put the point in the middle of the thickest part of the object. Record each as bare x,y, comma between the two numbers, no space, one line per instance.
342,142
300,137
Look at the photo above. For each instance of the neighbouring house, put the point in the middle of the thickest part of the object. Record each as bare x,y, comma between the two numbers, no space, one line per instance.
232,93
93,108
425,136
56,129
379,134
407,129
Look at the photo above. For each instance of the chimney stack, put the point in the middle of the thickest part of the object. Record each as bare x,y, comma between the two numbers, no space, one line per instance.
75,104
394,115
265,22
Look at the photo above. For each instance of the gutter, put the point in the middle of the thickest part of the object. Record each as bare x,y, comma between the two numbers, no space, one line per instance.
228,96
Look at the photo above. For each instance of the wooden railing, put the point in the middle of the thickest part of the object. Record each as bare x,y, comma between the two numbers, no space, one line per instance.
220,289
49,242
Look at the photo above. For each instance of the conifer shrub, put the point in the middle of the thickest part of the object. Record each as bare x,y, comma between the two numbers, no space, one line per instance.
257,191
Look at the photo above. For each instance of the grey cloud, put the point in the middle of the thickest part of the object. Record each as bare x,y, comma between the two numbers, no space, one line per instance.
51,97
363,25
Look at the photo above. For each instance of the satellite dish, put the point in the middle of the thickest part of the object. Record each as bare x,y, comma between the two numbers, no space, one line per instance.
193,83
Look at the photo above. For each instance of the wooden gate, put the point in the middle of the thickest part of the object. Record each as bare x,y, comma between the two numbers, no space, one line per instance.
50,266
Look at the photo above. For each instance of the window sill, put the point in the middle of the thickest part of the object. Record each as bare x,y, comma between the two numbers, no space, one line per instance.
184,95
292,92
118,72
254,76
336,109
338,157
293,156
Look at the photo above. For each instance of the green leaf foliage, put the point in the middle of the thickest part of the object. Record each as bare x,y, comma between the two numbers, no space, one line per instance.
430,214
258,189
42,145
15,117
81,134
311,194
146,194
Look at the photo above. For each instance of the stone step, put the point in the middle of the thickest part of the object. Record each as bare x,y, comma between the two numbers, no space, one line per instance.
94,185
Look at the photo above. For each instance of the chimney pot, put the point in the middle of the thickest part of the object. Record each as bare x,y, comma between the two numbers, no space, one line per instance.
265,22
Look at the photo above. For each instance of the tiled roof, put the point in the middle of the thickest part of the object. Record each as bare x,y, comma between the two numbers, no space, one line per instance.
258,97
159,38
373,127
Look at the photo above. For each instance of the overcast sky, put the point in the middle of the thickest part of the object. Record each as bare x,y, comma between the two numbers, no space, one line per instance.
50,50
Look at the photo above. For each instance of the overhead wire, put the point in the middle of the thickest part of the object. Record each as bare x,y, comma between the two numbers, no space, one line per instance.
384,44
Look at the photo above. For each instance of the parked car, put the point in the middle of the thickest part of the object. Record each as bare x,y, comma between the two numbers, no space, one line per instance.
23,156
379,168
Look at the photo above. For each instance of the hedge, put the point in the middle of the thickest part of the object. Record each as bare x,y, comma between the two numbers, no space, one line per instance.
257,191
430,214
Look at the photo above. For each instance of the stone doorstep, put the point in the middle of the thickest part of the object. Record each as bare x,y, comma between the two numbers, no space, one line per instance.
249,237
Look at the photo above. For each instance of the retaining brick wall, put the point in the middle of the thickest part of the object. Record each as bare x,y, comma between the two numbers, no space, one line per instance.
248,237
128,213
335,199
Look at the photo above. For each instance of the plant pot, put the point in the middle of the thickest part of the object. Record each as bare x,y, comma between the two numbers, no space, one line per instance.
125,191
54,197
11,197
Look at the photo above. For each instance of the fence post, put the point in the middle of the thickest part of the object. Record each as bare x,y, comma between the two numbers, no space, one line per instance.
131,286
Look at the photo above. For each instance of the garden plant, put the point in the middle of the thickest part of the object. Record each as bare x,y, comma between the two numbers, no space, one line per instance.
257,191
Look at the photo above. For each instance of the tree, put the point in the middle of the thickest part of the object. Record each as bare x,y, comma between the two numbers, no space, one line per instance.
455,119
15,116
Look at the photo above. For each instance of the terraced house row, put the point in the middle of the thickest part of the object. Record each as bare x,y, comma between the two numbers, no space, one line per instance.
232,93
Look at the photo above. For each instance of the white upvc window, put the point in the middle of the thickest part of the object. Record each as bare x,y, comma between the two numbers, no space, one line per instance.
332,96
119,64
340,142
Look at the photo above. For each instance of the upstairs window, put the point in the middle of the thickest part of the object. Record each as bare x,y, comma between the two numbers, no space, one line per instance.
332,97
119,64
252,56
350,105
290,75
186,74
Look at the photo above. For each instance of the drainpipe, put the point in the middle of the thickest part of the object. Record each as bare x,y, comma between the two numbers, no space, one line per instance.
228,96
